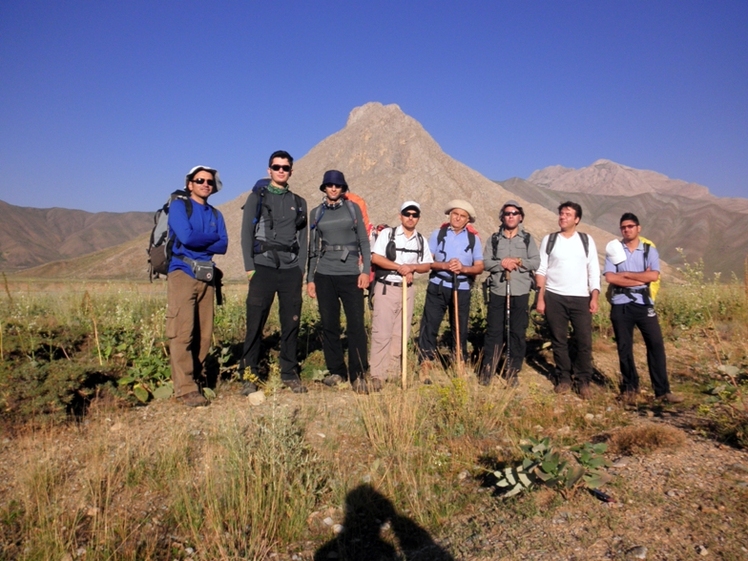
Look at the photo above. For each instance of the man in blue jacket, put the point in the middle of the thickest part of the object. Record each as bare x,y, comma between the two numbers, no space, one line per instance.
199,233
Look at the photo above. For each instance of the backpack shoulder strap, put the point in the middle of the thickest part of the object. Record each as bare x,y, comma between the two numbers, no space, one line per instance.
526,237
646,254
551,243
585,243
260,199
495,242
442,235
352,211
319,212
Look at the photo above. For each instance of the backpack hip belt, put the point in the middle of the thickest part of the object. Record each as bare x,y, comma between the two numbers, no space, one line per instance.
347,249
264,246
461,277
644,291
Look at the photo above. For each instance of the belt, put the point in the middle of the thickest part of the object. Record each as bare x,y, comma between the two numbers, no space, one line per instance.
390,283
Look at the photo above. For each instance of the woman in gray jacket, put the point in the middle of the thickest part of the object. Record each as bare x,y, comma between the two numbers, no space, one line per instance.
337,240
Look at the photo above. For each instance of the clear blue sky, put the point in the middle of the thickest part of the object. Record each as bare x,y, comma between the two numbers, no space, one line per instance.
106,105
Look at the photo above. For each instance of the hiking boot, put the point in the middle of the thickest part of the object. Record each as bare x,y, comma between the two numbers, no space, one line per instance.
193,399
295,386
359,386
333,380
248,388
424,371
670,398
511,377
512,382
629,398
562,388
484,380
376,385
585,391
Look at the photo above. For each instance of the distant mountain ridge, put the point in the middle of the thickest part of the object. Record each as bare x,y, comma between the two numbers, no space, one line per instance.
34,236
605,177
712,231
388,157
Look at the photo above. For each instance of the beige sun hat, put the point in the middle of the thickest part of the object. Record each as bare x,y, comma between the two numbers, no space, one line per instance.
462,205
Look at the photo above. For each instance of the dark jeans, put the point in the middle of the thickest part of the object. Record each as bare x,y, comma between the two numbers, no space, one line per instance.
439,299
331,291
559,312
496,329
263,287
624,318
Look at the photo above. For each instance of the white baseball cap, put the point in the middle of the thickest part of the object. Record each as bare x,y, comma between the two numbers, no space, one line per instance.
615,252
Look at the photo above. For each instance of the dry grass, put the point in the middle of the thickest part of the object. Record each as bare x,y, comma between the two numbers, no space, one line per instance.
643,439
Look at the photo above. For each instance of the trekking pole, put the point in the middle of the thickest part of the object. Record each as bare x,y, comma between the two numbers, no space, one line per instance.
507,360
458,349
404,334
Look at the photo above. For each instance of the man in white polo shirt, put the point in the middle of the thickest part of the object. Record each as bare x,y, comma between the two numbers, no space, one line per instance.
568,288
397,254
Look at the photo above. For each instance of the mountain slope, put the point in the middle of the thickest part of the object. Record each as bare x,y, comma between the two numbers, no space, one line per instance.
33,236
707,228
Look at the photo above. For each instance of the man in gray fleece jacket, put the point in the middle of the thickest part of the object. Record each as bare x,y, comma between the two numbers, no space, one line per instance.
511,256
274,245
336,274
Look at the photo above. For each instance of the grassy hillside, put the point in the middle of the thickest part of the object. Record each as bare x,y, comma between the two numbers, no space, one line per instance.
93,465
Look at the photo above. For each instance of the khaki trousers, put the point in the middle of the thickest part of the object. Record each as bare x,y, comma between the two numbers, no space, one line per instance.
386,329
189,327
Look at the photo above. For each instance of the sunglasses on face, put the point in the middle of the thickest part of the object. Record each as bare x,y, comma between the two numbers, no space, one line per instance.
276,167
628,226
411,214
512,213
331,185
200,181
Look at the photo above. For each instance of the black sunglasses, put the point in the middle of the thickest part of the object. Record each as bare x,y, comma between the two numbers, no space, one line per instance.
328,185
411,214
201,180
512,213
276,167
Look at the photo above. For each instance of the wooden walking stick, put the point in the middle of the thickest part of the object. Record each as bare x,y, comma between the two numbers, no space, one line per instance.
458,349
404,334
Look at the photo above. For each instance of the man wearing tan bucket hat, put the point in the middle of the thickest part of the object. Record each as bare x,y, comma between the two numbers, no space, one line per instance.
458,259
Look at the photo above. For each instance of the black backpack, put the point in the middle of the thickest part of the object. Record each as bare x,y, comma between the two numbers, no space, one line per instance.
160,247
260,189
391,250
552,242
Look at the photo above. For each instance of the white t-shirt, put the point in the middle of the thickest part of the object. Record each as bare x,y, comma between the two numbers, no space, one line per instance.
567,270
409,257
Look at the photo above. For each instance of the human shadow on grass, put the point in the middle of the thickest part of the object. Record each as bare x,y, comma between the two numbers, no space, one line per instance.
535,357
367,512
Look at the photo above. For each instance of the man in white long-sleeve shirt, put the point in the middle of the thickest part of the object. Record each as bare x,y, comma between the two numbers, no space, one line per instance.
568,288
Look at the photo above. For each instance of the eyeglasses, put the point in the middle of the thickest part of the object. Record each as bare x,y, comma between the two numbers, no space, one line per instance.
512,213
201,180
276,167
628,226
329,185
411,214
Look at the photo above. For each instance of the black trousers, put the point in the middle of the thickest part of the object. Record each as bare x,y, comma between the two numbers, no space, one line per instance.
439,299
559,312
331,291
496,333
265,284
624,318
